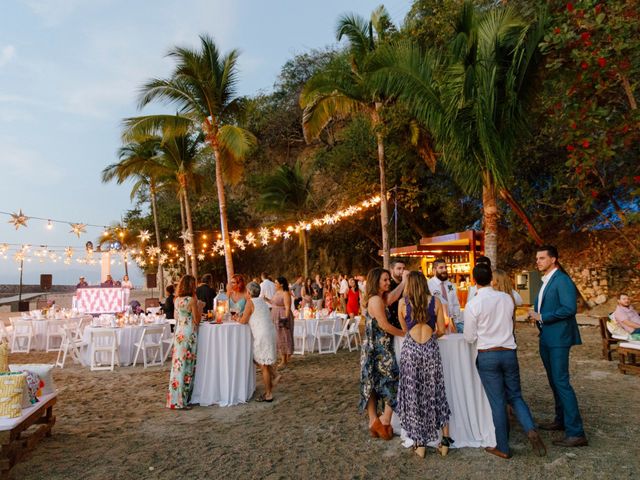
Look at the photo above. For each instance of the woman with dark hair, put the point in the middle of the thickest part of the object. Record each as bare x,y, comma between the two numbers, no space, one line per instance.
236,291
168,306
185,341
422,400
307,292
379,370
283,320
329,303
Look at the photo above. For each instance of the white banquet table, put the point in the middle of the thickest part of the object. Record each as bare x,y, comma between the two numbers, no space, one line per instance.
39,339
471,423
225,373
127,336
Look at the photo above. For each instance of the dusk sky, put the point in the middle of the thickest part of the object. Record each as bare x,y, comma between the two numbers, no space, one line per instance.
70,71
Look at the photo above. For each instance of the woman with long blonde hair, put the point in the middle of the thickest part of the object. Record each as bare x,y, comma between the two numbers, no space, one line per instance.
422,400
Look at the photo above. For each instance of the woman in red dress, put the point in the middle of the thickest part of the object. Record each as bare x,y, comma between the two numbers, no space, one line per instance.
353,298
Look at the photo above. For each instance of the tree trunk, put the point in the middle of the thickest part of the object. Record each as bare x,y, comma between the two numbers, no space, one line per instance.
184,229
187,211
154,209
222,203
305,253
490,217
519,211
384,212
126,263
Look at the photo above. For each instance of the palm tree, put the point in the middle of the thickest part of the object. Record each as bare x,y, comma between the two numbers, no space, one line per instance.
203,87
344,88
138,161
287,191
474,100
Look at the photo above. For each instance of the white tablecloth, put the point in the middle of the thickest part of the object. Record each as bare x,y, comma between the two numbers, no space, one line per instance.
311,324
471,423
39,339
225,373
127,336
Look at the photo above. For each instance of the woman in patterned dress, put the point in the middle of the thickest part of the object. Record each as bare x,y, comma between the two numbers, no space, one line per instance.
379,370
282,318
422,400
183,361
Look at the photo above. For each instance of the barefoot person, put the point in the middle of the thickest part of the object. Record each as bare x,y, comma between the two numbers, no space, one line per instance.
422,400
379,370
183,360
257,315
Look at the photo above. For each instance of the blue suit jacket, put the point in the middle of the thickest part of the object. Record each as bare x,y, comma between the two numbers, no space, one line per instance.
558,309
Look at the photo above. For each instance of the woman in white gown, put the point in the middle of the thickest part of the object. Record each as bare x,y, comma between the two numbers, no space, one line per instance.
257,315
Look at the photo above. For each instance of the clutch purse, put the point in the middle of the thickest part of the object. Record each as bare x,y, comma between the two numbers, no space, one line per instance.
283,322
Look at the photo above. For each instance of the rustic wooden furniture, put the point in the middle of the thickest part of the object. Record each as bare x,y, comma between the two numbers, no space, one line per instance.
609,344
15,442
629,358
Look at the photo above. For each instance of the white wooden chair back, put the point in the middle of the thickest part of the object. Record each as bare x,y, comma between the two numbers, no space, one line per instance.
299,337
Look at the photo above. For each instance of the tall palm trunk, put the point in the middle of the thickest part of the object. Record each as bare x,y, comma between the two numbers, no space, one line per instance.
184,229
305,253
154,210
490,217
187,211
384,212
222,203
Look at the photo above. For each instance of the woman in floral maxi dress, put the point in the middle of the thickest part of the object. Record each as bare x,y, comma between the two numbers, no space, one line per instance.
183,361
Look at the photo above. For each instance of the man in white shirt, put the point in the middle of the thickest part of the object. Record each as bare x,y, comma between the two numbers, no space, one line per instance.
445,291
473,289
267,287
344,289
488,320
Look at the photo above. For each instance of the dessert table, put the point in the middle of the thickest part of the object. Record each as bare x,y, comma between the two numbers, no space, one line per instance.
127,336
471,423
225,373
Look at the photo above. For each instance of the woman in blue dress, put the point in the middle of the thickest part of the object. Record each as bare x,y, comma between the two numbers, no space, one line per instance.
237,292
183,360
379,370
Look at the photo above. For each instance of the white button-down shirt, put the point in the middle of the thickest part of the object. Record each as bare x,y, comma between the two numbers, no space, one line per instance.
452,303
488,319
267,289
473,291
545,281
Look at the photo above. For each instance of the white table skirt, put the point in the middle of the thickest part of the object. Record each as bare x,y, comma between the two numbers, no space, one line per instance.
127,336
471,423
225,373
39,339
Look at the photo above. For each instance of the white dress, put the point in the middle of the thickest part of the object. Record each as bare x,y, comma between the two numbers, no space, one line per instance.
264,333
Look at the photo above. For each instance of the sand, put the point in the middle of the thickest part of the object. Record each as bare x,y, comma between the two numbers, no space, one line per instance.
114,425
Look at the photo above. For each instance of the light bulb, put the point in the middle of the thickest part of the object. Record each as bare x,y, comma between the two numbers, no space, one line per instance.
49,225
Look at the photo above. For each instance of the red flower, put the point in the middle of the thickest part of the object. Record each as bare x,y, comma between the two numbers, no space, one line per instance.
571,148
585,143
574,125
556,30
594,194
625,129
570,7
598,8
584,65
585,36
579,169
602,61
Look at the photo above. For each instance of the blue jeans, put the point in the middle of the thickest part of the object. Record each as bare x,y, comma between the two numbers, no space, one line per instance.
500,376
556,363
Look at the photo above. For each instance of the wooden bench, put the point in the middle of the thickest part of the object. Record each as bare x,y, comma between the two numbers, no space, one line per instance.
14,445
609,344
629,355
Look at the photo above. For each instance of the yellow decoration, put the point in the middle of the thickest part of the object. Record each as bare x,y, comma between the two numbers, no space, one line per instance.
19,220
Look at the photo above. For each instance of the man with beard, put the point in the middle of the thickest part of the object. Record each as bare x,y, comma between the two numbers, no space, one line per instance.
445,291
397,269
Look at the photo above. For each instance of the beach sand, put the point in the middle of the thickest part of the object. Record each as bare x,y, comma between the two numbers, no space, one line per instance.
114,425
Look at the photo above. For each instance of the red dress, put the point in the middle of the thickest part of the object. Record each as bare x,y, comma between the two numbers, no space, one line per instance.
353,302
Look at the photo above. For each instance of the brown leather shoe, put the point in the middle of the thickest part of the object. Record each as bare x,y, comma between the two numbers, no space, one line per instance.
572,442
536,443
497,453
552,426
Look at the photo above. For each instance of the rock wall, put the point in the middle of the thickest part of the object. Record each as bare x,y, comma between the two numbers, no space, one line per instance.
597,284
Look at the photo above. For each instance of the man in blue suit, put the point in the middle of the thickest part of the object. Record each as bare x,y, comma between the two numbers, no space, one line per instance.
555,315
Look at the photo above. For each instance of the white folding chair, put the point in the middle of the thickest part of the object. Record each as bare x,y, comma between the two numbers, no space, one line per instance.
6,332
22,335
353,334
325,331
54,331
69,346
101,342
342,333
299,336
168,344
80,325
152,341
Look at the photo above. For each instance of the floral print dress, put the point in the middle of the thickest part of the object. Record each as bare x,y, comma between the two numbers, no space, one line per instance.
378,367
183,361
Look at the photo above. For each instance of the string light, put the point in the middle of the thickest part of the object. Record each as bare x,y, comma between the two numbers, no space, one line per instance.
49,225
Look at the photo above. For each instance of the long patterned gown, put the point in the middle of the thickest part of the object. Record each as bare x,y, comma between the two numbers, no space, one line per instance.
183,361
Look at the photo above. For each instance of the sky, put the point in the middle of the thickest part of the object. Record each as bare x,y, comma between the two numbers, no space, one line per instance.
70,72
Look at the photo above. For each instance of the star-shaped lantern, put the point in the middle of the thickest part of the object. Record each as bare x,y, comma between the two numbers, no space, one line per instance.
144,236
78,229
19,220
186,236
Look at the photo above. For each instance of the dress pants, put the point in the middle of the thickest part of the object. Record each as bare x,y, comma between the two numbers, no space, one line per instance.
556,363
500,376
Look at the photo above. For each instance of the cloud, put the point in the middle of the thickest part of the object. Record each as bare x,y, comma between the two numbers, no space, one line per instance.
7,53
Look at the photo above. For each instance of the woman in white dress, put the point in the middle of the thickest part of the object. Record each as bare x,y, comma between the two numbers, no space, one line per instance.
256,314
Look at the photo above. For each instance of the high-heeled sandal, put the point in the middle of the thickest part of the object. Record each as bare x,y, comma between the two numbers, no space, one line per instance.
420,450
377,429
444,446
